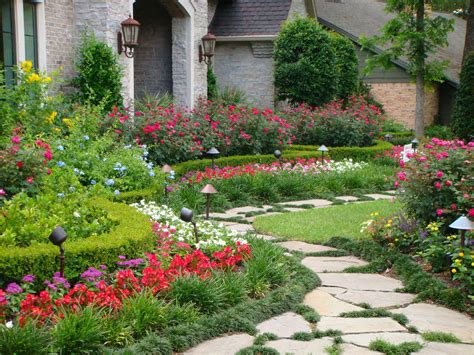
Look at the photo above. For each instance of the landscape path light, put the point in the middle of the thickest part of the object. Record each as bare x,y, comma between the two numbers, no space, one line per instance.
414,144
213,153
187,216
127,38
388,137
208,190
277,155
58,236
323,149
462,224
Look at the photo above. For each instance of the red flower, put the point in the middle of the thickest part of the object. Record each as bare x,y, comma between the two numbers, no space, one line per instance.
19,164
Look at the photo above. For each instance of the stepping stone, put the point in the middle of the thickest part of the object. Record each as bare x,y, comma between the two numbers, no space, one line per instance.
332,290
294,245
220,215
330,263
359,325
394,338
297,347
229,344
314,202
241,228
284,325
380,196
363,282
293,209
377,299
446,349
327,305
264,237
228,223
250,219
428,317
392,192
347,198
243,210
349,349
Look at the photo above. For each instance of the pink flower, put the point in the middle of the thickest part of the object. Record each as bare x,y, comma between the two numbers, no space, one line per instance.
471,213
48,155
454,207
396,184
401,176
439,212
19,164
439,174
448,182
437,185
16,139
48,171
29,180
2,192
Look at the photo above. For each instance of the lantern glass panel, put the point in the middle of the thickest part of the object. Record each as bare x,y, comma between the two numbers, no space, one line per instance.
209,45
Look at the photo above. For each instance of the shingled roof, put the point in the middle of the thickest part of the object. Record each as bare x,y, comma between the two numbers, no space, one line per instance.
366,17
249,17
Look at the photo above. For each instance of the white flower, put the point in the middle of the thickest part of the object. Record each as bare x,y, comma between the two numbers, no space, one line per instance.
76,214
9,324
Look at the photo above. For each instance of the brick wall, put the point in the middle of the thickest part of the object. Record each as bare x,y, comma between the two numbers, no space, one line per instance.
399,101
247,66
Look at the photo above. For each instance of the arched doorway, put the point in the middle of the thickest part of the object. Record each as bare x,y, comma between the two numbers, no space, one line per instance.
153,64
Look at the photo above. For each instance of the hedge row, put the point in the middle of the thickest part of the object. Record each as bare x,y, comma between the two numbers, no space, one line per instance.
131,237
338,153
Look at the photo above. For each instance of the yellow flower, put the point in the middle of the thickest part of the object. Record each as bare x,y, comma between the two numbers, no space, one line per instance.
50,119
388,225
472,264
68,122
57,130
457,262
461,254
46,80
389,221
33,78
454,271
26,66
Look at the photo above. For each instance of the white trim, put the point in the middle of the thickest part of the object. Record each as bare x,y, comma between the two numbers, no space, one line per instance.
41,36
246,38
19,24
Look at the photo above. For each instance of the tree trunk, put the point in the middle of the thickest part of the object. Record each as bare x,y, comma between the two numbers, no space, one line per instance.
420,72
469,42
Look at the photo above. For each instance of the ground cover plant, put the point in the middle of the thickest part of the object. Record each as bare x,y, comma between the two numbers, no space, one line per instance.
321,224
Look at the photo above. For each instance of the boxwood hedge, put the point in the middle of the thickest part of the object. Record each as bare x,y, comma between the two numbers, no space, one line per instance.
131,237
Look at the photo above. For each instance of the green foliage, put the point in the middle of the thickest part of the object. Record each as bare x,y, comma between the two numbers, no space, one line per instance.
257,350
391,349
212,91
308,313
347,66
440,337
438,131
376,313
80,332
153,344
302,336
99,74
462,122
231,96
28,339
234,287
263,338
131,237
304,63
153,100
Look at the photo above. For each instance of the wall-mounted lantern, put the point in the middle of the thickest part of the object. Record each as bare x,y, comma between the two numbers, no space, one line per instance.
127,39
206,50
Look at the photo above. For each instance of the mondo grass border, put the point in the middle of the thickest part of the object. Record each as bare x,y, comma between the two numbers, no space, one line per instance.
242,318
411,274
130,237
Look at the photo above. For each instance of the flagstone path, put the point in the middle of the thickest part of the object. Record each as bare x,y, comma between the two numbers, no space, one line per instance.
341,292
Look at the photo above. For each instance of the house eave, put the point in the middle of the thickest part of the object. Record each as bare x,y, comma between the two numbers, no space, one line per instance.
250,38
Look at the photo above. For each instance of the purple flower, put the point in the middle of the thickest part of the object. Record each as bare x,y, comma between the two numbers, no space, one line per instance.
13,288
29,278
102,267
58,280
131,262
91,274
121,257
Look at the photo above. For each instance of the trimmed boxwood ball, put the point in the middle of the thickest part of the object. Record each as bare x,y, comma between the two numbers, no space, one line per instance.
131,237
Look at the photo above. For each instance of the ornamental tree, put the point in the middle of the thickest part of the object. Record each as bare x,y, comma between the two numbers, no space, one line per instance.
463,117
412,35
347,66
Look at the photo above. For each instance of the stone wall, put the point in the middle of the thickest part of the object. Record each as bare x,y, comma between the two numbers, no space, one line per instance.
153,66
247,66
298,8
200,29
399,101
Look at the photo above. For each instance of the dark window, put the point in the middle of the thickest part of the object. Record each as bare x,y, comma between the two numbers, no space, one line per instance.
7,42
29,15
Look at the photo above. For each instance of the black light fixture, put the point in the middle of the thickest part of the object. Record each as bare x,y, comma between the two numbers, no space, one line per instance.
206,49
388,137
167,170
127,39
58,236
187,216
414,144
323,149
462,224
213,153
208,190
277,155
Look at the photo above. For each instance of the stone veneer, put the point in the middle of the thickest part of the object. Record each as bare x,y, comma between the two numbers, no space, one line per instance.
399,102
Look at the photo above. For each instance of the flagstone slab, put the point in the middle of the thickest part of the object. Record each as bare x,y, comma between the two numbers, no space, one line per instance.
347,198
377,299
293,209
446,349
350,349
241,228
332,290
220,215
225,345
294,245
393,338
244,210
284,325
358,281
330,263
380,196
359,325
314,202
297,347
427,317
327,305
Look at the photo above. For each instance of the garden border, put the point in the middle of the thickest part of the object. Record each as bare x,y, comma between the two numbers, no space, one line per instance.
131,237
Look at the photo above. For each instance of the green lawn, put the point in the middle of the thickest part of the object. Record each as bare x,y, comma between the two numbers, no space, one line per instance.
320,224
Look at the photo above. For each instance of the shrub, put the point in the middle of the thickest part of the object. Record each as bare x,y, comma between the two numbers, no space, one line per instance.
438,131
28,339
304,63
231,96
462,123
212,91
99,75
347,66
